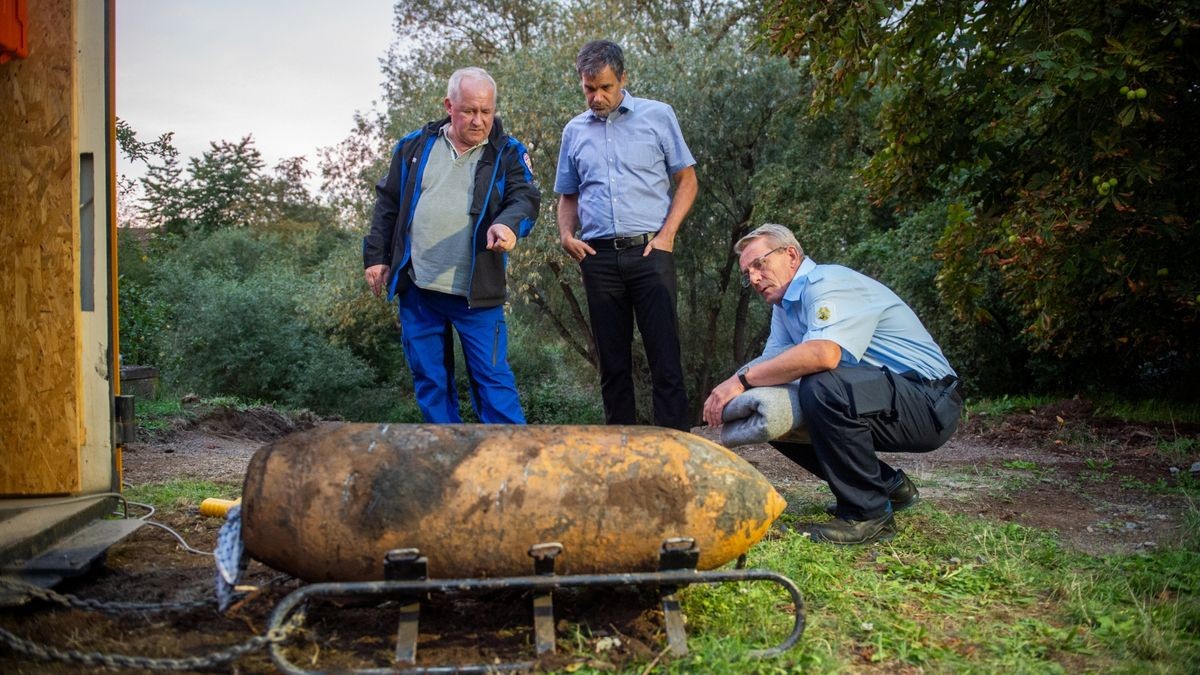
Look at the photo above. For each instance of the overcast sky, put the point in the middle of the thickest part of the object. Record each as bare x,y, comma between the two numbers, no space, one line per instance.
289,72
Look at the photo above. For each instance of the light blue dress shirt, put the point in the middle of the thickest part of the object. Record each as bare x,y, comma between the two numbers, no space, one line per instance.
621,167
866,319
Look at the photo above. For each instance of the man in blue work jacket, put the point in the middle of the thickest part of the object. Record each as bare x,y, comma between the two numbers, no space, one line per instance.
456,198
618,218
871,379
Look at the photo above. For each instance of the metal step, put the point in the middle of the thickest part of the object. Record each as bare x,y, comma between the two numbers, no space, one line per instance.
74,555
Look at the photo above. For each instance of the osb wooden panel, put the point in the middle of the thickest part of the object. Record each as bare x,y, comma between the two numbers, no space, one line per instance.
39,341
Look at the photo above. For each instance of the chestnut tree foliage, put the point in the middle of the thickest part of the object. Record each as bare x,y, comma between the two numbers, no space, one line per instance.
1061,139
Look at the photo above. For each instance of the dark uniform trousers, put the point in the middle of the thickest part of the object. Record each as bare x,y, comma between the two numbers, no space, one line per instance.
622,285
853,412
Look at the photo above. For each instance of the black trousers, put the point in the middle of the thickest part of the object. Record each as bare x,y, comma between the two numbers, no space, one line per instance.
622,286
853,412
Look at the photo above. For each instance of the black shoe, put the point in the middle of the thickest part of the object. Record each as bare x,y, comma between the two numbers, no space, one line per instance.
901,491
843,532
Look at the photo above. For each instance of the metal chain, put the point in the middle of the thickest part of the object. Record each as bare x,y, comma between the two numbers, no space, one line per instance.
46,595
45,653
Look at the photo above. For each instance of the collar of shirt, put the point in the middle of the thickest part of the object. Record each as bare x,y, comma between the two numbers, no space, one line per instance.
444,132
628,104
799,280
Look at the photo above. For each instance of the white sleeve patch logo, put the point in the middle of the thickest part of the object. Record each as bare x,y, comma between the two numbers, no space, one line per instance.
825,314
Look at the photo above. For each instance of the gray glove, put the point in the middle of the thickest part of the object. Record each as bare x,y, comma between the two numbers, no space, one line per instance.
761,414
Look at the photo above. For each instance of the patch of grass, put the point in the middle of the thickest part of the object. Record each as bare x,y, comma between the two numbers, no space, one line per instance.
952,594
181,494
1148,410
1180,447
239,404
1098,470
1181,484
1004,405
155,415
1021,464
1024,473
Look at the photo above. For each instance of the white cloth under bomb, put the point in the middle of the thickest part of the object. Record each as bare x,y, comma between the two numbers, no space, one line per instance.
230,556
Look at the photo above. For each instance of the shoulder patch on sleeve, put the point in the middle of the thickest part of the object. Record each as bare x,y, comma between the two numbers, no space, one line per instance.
825,313
528,164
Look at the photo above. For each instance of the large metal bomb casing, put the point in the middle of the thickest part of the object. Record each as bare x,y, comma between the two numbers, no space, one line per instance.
327,504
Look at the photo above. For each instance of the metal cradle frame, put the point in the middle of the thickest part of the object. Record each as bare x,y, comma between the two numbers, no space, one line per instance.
407,582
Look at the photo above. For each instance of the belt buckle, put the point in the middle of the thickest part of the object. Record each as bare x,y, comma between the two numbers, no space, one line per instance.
621,243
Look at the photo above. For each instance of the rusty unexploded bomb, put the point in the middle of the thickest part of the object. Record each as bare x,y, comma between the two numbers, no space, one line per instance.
327,504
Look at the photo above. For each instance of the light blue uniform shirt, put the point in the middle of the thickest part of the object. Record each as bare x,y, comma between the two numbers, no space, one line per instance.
621,167
866,319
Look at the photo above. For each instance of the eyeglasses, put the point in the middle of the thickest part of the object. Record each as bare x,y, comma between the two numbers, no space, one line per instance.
757,265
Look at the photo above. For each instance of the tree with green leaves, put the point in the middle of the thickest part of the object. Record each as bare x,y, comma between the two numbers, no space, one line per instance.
226,186
1062,137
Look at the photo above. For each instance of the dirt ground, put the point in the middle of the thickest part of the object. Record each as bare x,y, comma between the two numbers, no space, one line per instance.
1058,467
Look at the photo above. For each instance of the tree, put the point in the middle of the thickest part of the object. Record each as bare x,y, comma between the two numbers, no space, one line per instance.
165,198
154,154
1062,137
226,187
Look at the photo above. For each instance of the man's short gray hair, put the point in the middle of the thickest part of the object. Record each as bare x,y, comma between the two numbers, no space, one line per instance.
598,54
454,87
780,235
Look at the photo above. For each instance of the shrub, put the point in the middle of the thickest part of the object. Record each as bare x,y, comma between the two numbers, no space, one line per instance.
247,339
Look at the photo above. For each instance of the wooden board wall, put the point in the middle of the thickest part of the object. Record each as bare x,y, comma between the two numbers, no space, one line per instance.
39,306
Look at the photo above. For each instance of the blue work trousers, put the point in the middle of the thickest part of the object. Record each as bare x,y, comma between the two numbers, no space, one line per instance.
426,320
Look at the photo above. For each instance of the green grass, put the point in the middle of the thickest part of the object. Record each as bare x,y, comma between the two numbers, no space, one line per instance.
1149,410
1145,410
1004,405
1180,447
1021,464
951,594
241,404
155,415
181,494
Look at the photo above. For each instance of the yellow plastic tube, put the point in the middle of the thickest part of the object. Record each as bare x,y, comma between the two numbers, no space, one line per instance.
217,508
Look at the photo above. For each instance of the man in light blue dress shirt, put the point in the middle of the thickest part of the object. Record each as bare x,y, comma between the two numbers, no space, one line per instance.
871,379
618,218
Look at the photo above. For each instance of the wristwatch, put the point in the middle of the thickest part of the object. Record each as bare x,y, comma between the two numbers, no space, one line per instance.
742,378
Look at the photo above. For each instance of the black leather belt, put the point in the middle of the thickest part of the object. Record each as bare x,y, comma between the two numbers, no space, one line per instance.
948,384
914,376
618,243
